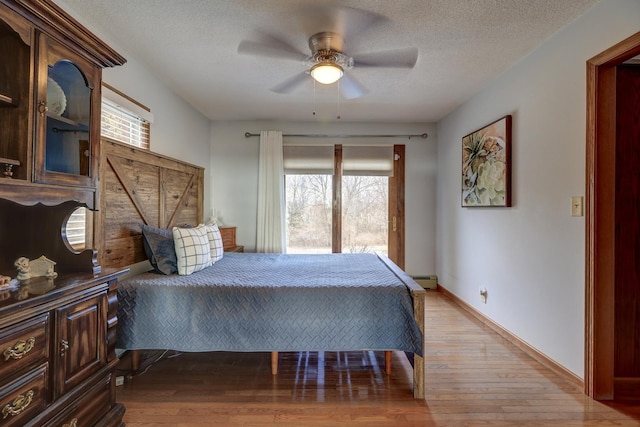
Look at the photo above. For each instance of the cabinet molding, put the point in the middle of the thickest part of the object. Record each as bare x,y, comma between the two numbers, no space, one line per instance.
55,21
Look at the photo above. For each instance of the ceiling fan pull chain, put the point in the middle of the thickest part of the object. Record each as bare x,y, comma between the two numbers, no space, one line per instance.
338,86
314,96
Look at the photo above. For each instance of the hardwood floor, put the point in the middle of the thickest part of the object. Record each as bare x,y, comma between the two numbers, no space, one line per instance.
473,378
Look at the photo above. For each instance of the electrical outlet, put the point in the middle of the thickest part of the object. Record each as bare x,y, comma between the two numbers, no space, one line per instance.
483,295
119,381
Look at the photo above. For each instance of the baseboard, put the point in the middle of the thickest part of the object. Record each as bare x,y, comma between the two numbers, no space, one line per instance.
522,345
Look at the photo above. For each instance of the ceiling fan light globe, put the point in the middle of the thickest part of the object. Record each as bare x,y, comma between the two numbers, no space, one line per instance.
326,73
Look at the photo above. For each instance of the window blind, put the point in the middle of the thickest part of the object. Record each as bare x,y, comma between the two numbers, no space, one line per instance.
124,119
373,160
308,159
76,229
125,126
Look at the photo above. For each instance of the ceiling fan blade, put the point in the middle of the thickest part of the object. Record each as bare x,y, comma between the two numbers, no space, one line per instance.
271,46
352,88
396,58
291,83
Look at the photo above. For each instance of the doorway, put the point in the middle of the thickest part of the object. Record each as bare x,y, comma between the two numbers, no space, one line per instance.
601,382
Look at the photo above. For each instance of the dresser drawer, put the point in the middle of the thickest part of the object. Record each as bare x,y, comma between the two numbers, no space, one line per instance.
24,398
88,409
23,346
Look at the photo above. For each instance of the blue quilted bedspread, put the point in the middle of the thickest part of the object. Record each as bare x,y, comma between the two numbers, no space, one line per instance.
271,302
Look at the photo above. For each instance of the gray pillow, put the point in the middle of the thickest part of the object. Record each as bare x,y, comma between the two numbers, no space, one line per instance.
160,249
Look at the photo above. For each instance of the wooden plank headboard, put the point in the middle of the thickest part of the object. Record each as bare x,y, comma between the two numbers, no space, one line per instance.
138,186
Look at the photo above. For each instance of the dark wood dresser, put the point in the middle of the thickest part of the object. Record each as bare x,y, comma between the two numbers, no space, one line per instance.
57,343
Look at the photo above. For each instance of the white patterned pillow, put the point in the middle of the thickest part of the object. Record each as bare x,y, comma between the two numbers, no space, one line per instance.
193,252
215,241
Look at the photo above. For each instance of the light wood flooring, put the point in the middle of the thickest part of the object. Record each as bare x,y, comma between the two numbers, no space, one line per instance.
473,378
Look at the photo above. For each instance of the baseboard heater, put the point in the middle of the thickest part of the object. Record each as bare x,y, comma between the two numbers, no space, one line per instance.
427,282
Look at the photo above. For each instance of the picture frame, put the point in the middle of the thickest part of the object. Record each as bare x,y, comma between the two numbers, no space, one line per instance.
486,165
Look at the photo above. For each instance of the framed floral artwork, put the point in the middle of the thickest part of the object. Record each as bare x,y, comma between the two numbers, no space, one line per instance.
486,165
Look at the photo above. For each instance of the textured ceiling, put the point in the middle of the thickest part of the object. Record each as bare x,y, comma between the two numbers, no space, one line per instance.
191,45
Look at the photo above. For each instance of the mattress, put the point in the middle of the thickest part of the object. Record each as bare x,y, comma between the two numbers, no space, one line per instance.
271,302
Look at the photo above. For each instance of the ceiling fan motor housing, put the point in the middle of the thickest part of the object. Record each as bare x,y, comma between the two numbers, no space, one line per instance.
326,40
326,48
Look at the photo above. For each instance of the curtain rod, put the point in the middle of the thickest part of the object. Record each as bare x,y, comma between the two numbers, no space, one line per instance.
306,135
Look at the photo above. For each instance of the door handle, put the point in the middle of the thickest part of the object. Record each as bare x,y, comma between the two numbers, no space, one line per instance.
64,347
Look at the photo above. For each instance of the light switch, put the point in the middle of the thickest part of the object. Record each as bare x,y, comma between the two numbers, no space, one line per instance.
576,206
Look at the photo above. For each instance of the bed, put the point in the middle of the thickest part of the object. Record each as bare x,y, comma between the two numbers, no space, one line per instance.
139,188
274,303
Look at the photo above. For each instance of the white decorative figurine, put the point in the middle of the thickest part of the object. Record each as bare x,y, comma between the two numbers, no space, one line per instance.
24,269
40,267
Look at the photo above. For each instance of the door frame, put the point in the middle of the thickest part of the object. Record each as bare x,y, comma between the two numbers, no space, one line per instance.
600,217
336,204
396,239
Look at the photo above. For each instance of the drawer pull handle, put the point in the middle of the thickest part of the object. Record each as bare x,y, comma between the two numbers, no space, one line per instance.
18,405
72,423
19,349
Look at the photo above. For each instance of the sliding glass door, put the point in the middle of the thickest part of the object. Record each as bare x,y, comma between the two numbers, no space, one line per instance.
309,227
365,209
351,206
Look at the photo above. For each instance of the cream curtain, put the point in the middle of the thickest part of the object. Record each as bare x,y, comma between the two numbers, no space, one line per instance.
271,202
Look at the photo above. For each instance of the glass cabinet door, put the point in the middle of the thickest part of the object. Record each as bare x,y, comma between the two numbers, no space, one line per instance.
66,104
15,95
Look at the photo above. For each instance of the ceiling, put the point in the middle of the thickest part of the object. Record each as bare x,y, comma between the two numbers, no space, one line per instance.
191,45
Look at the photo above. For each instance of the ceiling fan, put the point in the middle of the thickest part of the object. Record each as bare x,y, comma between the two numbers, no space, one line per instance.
328,62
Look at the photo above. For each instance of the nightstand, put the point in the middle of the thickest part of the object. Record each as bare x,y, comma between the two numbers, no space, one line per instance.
229,240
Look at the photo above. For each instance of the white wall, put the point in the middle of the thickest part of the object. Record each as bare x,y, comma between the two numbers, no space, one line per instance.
234,175
178,129
530,257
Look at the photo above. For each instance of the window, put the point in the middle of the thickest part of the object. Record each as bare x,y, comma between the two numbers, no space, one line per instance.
124,119
365,198
365,208
308,202
308,182
78,229
316,220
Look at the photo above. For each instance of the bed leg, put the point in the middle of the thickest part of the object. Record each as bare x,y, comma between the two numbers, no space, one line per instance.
135,360
419,302
387,361
274,363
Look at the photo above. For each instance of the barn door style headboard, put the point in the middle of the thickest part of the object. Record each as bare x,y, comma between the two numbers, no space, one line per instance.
140,187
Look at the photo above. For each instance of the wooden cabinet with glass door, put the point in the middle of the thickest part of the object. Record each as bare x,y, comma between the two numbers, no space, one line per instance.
15,95
50,80
50,77
68,91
